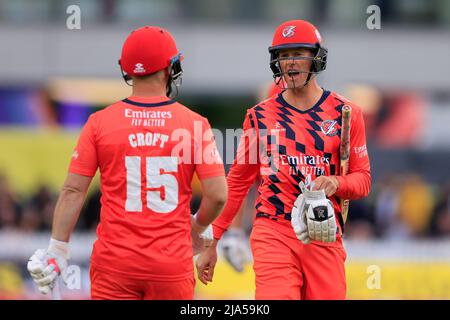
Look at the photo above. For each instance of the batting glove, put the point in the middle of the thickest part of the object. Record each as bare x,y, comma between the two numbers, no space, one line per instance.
234,248
45,266
298,220
313,217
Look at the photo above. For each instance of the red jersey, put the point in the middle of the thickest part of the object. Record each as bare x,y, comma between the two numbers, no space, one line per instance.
147,150
274,89
293,146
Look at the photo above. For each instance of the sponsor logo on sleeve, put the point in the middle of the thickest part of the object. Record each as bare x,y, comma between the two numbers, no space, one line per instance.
360,151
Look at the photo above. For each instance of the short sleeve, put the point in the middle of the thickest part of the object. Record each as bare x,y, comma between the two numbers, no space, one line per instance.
208,162
84,158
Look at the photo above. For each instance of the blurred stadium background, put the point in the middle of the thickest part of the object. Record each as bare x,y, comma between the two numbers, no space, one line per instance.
52,78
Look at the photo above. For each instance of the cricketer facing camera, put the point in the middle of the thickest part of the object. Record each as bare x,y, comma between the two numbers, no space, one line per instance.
296,239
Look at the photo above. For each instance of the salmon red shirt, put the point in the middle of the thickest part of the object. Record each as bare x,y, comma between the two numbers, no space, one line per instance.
147,151
292,146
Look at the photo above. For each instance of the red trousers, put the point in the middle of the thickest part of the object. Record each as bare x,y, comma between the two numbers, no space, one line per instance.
287,269
109,286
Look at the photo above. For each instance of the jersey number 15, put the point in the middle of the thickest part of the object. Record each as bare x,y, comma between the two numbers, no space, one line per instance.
155,180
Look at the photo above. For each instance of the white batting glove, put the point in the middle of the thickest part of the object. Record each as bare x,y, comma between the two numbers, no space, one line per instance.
202,236
46,265
313,217
298,220
234,248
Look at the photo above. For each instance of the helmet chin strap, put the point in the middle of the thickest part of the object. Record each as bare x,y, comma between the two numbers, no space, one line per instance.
169,89
174,81
285,85
281,75
125,76
175,77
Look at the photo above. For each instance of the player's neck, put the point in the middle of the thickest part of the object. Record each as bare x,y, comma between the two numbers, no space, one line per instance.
304,98
151,86
148,91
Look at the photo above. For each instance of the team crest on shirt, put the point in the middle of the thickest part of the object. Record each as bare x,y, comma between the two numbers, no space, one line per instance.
288,31
329,128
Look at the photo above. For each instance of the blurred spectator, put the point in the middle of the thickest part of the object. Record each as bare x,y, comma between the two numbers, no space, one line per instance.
90,215
31,220
369,99
196,194
360,224
392,119
37,213
400,121
440,221
43,202
415,204
387,201
9,206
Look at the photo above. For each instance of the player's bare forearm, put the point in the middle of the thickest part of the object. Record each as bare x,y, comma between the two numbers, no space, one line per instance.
214,198
209,210
68,206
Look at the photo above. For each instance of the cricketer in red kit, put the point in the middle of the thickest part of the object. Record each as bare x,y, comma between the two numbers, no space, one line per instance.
147,148
297,138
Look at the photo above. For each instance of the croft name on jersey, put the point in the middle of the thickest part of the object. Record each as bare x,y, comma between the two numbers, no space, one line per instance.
148,139
141,114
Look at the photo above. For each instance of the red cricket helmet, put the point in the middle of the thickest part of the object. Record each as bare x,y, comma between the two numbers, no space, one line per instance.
148,50
298,34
